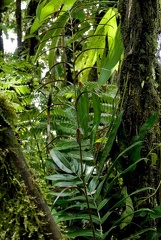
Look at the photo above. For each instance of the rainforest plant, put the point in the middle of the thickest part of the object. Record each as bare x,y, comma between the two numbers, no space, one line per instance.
70,123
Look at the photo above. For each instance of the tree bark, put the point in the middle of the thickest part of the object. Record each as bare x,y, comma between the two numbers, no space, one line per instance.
139,96
14,156
31,44
1,32
19,26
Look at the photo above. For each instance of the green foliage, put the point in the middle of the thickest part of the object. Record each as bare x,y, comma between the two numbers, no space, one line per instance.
88,183
68,124
94,44
7,111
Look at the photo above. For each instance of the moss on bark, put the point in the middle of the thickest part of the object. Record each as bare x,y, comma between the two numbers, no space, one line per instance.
24,212
137,84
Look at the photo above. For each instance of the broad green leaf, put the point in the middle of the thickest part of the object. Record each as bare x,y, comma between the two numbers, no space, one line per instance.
66,145
128,214
88,172
78,216
61,177
43,41
93,184
147,125
65,193
86,156
78,14
48,9
154,158
98,191
103,203
36,24
78,198
107,232
64,184
128,169
81,206
112,59
67,4
136,144
58,27
39,8
120,203
67,128
75,165
60,161
104,217
152,234
110,28
156,212
83,232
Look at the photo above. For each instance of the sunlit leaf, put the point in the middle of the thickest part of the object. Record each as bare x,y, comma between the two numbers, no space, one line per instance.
112,59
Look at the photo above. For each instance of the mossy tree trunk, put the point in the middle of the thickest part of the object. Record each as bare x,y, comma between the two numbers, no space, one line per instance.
137,84
24,212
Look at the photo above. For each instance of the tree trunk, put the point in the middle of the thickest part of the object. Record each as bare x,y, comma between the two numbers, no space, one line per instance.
1,32
31,44
14,157
139,96
19,26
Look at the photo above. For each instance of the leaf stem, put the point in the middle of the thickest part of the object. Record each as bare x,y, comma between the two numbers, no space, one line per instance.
84,183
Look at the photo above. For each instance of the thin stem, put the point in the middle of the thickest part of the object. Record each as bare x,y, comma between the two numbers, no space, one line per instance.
84,183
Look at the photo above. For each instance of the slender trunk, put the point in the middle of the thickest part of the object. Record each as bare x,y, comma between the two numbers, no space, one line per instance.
31,44
19,26
1,32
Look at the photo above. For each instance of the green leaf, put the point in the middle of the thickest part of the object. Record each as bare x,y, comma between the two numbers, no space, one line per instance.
132,146
104,218
120,203
128,169
86,156
97,117
156,212
66,144
112,59
58,27
48,9
60,161
61,177
110,141
103,203
78,216
83,112
147,126
64,184
93,184
128,214
154,158
148,236
98,191
36,24
81,233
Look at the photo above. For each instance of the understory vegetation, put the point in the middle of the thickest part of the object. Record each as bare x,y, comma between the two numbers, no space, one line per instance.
61,95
